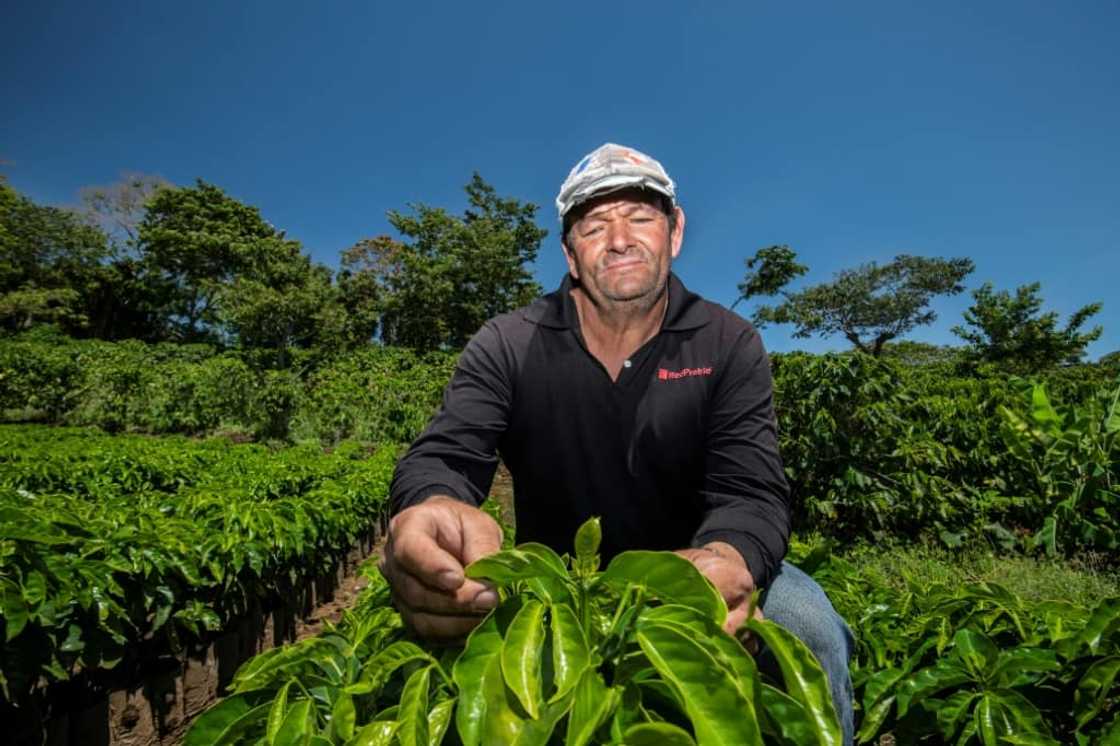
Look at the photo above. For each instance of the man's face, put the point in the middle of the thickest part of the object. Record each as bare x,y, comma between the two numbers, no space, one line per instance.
620,247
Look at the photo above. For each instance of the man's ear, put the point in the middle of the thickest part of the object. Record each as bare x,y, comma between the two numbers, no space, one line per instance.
677,238
572,269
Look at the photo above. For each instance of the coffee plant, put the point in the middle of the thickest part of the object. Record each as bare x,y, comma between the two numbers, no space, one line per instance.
633,654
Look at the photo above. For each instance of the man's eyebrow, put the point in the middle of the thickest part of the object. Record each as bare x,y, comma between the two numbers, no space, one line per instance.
626,209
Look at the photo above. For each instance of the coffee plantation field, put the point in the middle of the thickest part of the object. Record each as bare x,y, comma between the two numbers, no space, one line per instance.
574,656
144,537
109,540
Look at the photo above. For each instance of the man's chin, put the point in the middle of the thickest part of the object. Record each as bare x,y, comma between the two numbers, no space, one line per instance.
628,293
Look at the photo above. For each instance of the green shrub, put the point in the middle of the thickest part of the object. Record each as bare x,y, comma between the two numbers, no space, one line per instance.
374,394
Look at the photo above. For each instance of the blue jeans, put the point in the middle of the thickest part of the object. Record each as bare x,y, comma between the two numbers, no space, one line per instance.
795,601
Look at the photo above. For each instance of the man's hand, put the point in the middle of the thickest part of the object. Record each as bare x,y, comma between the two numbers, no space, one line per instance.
428,546
722,564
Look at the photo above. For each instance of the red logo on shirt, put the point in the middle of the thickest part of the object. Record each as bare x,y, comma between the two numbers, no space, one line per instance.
672,375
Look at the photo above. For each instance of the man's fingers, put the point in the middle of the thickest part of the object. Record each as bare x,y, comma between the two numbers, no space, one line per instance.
735,619
414,550
482,536
445,628
472,597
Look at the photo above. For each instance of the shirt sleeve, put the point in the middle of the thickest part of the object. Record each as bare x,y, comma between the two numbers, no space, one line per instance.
457,454
745,493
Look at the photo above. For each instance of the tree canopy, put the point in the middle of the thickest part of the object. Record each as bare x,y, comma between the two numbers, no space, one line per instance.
1012,330
451,273
50,263
768,271
869,305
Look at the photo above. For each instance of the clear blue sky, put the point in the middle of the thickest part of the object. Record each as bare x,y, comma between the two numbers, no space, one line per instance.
850,131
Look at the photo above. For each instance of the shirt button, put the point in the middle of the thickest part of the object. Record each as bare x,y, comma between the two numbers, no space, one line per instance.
626,364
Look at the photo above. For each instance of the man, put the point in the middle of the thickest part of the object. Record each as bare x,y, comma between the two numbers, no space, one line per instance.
620,395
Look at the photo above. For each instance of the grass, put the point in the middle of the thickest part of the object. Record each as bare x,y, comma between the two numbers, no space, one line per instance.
1083,581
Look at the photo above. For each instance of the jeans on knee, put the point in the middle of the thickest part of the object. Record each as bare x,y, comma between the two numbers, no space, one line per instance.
795,601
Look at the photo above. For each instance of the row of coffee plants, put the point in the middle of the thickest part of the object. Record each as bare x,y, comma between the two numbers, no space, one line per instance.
106,541
636,655
873,447
975,663
376,394
633,654
875,450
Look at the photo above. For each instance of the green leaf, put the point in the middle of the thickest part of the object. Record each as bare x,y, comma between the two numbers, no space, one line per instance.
413,714
554,586
276,713
439,718
1112,416
482,650
953,712
588,538
988,721
713,702
1043,412
571,654
521,656
298,724
728,651
593,703
230,721
785,718
546,555
929,681
377,733
487,711
343,717
510,565
804,680
1004,714
1104,621
976,651
657,734
669,577
1094,688
1023,665
880,684
15,613
73,642
34,588
532,563
377,669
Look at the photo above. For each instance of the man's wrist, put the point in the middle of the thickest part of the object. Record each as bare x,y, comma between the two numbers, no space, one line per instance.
727,552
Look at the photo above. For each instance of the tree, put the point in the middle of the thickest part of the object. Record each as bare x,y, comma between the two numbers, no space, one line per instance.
776,267
195,242
359,291
51,262
119,208
1011,330
288,305
436,288
869,305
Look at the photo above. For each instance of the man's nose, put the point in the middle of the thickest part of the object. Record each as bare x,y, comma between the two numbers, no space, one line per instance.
618,235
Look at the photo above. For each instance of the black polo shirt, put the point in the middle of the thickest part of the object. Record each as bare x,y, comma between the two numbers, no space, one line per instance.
681,450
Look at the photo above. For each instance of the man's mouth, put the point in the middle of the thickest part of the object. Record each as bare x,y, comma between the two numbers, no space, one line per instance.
622,263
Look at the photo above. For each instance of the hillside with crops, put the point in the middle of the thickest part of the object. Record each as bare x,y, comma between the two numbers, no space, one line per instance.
964,525
199,425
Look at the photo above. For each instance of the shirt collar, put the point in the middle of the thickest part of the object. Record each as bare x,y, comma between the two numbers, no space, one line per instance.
557,310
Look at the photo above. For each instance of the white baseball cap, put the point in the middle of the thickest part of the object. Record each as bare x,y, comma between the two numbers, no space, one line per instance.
610,168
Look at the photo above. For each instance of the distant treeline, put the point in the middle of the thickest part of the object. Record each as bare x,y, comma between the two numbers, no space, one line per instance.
146,260
149,261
